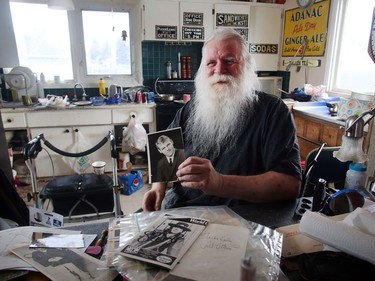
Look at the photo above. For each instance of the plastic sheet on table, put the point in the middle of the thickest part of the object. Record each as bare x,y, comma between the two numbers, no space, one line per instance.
264,245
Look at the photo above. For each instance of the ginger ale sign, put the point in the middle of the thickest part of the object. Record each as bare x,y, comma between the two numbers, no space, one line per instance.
311,24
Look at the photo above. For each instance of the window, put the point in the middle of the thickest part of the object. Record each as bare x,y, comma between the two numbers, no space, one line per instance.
43,41
107,50
82,45
350,68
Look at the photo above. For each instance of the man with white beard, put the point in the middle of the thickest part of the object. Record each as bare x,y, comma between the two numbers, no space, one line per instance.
240,144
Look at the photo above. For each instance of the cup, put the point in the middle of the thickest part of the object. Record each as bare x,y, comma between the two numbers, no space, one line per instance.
26,100
186,97
99,167
124,158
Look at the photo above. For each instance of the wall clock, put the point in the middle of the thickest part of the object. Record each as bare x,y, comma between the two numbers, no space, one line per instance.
371,43
305,4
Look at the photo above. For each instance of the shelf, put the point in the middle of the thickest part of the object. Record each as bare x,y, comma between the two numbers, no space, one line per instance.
176,80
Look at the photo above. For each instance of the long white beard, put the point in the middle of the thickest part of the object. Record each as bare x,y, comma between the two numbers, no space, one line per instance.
217,116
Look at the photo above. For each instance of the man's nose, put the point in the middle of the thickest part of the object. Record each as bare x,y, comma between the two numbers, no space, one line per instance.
220,68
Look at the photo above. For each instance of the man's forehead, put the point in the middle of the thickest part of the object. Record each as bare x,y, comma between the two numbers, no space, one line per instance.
166,142
228,47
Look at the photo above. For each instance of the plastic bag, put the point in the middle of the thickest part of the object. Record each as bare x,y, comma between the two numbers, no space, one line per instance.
134,137
79,164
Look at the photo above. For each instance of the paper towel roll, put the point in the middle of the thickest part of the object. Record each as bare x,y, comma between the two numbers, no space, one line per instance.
339,235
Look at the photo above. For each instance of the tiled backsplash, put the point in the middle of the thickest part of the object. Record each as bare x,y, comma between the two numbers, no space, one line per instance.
156,54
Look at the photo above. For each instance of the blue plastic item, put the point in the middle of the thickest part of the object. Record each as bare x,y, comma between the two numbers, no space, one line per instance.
131,182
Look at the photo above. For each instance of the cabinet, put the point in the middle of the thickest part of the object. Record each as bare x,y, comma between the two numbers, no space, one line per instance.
265,35
196,21
236,15
14,120
61,127
160,20
312,132
50,163
191,21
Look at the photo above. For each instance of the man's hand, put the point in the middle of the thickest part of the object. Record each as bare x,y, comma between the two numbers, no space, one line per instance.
199,173
153,198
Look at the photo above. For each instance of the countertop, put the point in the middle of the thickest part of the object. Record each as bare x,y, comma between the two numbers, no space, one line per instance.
317,110
19,107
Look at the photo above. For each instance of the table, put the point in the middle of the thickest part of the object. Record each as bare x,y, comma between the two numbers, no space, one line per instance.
272,215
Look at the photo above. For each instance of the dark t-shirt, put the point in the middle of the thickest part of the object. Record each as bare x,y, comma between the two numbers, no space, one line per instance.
268,142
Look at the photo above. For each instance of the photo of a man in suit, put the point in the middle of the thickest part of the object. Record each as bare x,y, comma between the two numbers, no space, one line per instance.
167,165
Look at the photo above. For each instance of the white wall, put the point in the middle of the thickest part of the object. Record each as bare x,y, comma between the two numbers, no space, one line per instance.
8,48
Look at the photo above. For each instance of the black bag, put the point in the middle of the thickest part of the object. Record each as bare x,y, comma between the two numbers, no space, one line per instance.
80,194
327,266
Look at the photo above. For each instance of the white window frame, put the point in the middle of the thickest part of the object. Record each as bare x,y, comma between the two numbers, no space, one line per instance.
77,43
335,30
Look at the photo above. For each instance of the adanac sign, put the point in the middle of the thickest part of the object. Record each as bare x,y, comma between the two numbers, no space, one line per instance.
310,24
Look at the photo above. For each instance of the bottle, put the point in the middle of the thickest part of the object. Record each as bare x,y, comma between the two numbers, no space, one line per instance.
248,270
179,65
355,176
169,70
42,78
183,71
188,67
102,88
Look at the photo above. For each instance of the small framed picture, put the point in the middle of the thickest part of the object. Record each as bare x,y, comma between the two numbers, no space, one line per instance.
165,152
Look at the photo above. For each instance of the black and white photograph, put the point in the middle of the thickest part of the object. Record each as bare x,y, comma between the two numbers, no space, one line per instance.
165,151
166,241
63,263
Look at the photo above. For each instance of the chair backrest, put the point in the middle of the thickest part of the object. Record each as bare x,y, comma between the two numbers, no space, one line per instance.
327,167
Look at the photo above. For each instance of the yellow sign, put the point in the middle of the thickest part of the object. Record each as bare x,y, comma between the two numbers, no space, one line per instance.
310,25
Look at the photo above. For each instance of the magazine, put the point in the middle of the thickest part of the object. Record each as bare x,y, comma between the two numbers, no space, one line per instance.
165,242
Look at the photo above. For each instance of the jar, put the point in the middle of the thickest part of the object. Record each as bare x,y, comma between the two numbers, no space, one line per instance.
356,176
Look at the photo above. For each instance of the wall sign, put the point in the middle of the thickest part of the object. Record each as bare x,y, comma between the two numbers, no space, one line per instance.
193,18
239,20
263,48
244,32
165,32
311,24
193,33
308,63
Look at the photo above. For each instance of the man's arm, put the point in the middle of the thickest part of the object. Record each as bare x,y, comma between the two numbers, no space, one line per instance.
153,198
198,173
